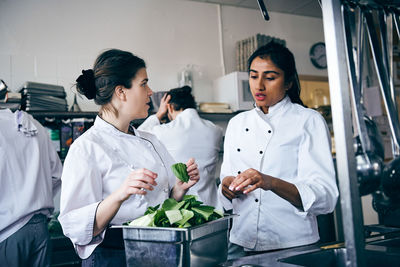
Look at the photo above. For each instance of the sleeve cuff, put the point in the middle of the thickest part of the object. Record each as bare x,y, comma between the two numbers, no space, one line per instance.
307,198
226,204
78,224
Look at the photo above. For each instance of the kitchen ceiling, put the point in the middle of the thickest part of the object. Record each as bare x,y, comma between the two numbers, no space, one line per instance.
310,8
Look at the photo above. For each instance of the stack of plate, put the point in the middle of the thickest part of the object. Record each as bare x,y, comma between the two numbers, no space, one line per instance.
43,97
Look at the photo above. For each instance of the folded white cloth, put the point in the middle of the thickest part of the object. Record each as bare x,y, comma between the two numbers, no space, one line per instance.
25,123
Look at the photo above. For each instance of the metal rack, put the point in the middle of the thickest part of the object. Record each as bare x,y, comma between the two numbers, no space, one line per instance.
334,30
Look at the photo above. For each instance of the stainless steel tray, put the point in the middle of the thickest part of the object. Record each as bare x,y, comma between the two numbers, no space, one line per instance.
203,245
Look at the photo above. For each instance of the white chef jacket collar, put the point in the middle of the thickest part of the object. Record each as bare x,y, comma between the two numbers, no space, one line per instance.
108,127
188,111
275,109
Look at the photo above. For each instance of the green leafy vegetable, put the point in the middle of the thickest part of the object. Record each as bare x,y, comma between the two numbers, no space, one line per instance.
186,216
179,169
146,220
204,211
186,213
173,216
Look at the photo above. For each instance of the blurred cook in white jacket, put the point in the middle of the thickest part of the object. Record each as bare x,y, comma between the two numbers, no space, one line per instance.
30,172
188,136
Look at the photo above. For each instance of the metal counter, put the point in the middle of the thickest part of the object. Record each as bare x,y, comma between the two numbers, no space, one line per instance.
380,250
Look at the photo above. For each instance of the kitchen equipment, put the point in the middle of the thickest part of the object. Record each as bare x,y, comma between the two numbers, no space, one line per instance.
234,89
3,89
391,174
368,145
203,245
75,107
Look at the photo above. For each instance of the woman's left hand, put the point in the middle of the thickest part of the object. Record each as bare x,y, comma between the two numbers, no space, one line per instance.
194,176
250,180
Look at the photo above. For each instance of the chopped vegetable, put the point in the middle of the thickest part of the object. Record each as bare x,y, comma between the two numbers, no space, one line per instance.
146,220
179,169
205,211
186,213
173,216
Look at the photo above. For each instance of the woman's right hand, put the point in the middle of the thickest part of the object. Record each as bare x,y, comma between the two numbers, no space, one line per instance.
137,182
226,182
162,110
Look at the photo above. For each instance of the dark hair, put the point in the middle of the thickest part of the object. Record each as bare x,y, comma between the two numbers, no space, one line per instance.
112,68
182,98
283,59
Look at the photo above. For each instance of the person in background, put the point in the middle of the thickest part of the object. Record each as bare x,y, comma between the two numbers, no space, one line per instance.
30,172
277,172
188,135
113,172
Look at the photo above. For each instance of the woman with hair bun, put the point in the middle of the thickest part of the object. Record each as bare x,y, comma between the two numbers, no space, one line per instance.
113,172
277,171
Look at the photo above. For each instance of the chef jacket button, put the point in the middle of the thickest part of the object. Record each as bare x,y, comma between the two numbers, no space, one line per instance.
239,172
238,149
261,152
269,131
247,129
165,190
256,200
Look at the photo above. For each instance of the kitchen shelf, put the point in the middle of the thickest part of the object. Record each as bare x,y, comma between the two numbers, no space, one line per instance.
63,114
93,114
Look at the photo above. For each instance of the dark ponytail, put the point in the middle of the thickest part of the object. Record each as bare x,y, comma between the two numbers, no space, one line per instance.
283,59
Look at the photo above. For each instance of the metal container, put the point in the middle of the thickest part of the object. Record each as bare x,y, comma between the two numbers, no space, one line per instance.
203,245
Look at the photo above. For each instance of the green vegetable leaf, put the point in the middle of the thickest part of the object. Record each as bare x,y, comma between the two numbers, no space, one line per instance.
219,213
173,216
186,216
151,209
204,211
191,201
172,204
186,213
146,220
179,169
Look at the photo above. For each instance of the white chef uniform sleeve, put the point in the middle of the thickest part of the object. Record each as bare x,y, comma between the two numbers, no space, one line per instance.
56,168
149,123
226,168
316,180
81,193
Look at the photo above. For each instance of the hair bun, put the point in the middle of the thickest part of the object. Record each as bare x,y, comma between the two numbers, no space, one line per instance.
186,89
86,85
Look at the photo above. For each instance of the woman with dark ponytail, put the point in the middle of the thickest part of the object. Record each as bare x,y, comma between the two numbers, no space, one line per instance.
113,172
277,171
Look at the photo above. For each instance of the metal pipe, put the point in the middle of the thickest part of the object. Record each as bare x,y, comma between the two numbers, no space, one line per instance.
383,78
341,109
353,54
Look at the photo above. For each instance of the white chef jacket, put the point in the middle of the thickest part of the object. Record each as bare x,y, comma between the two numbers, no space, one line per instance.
96,165
30,171
189,136
291,143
